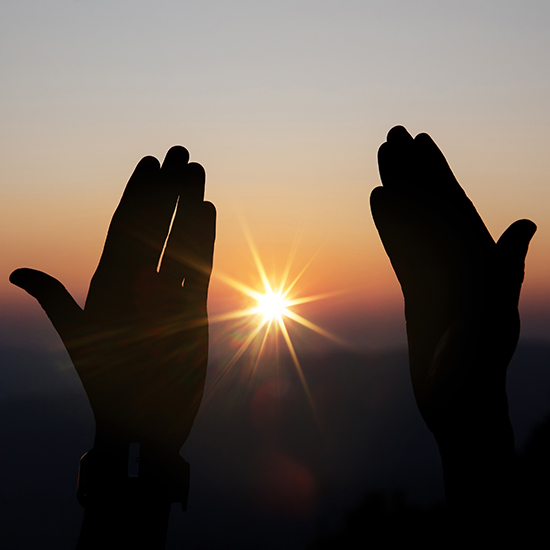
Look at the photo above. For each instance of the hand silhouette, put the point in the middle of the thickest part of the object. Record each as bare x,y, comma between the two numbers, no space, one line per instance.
461,293
140,345
461,289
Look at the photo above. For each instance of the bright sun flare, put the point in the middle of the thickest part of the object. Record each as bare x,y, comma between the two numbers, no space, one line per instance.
272,305
273,309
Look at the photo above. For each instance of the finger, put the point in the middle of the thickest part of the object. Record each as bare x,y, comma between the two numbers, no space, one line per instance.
443,194
180,246
64,313
512,249
434,173
392,217
197,272
140,224
127,240
193,182
423,247
395,159
191,252
399,135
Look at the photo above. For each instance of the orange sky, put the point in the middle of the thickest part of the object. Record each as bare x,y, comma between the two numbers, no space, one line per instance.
63,234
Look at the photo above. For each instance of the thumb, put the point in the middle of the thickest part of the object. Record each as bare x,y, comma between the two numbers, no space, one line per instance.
512,249
64,313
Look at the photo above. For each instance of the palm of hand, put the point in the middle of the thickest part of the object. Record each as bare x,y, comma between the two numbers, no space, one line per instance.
461,289
144,367
140,346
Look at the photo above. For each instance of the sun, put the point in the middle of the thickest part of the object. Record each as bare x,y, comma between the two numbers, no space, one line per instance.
274,308
272,305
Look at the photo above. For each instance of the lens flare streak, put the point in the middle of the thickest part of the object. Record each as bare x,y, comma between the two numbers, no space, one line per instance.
273,306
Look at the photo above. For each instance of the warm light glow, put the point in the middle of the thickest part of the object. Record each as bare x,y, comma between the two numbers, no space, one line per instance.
272,306
271,314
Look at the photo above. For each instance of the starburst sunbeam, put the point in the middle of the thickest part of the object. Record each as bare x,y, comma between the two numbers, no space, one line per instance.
273,306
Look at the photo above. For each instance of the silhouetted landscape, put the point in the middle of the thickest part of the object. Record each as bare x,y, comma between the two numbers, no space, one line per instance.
265,472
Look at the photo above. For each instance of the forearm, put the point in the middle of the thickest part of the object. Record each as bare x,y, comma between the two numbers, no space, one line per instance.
129,521
479,469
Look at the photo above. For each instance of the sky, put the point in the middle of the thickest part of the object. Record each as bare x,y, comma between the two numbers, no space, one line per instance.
285,104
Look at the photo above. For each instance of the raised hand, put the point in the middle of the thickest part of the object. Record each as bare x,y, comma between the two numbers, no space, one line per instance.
461,293
461,289
140,346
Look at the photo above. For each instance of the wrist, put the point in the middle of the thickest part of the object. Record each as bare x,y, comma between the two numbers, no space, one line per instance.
127,497
479,466
121,471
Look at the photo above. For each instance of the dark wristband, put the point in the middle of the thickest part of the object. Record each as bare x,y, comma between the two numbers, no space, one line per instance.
126,475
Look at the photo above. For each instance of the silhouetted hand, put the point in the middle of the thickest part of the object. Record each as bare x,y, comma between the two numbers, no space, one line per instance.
461,289
461,293
140,345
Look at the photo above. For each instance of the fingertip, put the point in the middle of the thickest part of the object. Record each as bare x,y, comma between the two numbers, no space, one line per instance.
423,137
21,277
528,226
524,228
382,151
196,171
384,162
398,134
209,216
210,210
192,183
393,163
175,157
148,163
380,200
517,237
54,298
377,194
38,284
424,144
178,151
17,276
527,229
